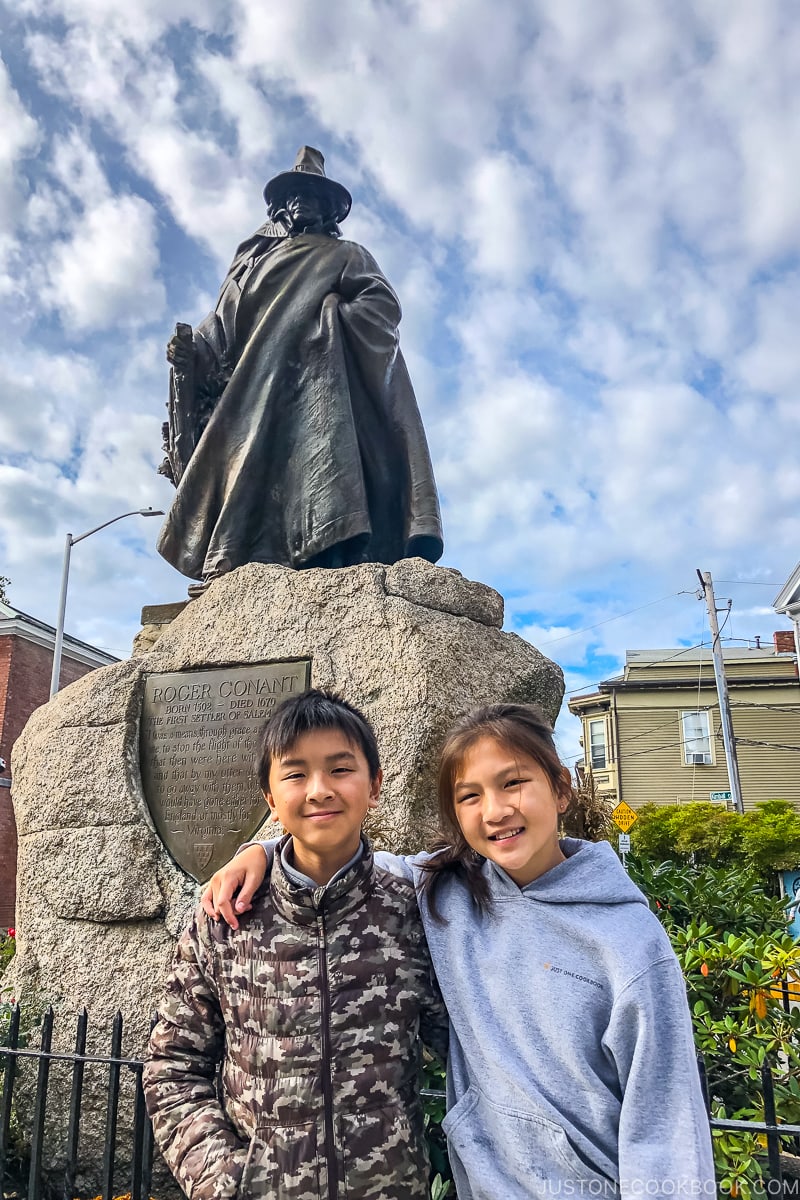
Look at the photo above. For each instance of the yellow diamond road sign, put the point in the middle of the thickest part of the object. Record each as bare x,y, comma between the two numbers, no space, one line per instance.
623,816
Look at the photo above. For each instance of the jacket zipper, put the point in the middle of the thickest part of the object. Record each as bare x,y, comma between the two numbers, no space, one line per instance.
327,1081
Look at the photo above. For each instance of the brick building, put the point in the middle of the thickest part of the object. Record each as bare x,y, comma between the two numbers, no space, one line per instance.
26,664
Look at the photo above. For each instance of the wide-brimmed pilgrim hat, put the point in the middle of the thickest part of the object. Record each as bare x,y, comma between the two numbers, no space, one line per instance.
308,171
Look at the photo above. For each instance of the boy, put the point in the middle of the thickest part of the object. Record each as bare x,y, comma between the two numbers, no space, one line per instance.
314,1009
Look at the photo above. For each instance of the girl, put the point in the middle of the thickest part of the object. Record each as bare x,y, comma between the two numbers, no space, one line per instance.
571,1067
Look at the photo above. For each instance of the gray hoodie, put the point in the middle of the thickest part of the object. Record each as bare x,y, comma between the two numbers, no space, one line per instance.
572,1066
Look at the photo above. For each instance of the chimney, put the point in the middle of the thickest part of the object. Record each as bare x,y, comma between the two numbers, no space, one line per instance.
784,641
758,642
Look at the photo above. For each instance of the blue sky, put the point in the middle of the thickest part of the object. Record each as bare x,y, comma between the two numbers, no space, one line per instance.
591,213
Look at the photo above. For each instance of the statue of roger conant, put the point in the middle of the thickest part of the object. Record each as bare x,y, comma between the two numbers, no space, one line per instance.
294,435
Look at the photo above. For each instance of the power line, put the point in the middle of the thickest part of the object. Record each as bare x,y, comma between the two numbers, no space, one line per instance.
653,665
651,750
636,736
724,623
701,645
575,632
697,702
657,708
639,666
706,684
671,746
659,662
769,745
795,712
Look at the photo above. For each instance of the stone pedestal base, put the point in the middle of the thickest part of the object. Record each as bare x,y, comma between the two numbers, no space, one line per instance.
155,619
100,901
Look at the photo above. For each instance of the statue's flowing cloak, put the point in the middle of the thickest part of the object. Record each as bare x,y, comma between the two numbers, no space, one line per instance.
317,437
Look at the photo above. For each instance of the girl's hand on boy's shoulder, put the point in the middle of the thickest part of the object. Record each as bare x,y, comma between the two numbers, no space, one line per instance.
240,878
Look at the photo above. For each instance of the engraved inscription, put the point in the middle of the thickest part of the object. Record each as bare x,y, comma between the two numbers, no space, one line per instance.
197,743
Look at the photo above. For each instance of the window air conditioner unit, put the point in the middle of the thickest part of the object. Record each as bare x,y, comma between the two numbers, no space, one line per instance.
697,760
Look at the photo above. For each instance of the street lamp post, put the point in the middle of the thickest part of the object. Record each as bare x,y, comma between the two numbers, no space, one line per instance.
62,606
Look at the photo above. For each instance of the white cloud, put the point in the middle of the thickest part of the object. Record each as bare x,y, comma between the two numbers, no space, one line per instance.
245,104
20,138
504,219
407,90
167,132
105,275
771,363
75,179
139,25
45,399
590,214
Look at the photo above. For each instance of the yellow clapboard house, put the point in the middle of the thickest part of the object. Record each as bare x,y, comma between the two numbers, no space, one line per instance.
652,734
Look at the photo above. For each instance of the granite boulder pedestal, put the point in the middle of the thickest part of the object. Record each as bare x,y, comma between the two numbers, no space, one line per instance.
101,898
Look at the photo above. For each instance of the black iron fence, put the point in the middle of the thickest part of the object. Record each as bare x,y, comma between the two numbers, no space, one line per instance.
22,1175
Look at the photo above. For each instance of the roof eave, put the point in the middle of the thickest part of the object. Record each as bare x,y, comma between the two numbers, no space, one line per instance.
788,598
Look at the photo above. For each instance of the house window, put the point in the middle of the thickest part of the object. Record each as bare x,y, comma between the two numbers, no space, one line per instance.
696,735
597,744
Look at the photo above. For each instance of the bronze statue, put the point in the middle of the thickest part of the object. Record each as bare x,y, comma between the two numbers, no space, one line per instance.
294,435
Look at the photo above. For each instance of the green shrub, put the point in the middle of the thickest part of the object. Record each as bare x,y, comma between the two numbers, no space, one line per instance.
765,839
731,939
434,1080
8,946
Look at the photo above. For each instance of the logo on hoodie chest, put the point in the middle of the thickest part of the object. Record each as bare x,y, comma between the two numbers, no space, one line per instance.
548,966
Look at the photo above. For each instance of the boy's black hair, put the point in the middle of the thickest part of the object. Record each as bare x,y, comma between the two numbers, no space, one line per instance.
312,710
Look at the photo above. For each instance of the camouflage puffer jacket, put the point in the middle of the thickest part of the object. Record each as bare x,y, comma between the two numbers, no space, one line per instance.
314,1008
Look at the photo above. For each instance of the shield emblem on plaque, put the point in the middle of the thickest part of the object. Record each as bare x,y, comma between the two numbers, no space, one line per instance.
197,748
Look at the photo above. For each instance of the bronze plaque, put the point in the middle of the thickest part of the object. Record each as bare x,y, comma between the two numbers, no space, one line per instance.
197,746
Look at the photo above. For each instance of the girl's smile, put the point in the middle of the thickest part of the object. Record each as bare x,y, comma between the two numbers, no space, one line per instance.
508,810
506,836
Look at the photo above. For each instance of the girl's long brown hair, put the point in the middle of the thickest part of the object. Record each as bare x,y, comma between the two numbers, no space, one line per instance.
522,728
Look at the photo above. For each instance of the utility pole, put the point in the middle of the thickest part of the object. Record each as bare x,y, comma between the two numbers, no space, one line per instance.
728,739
